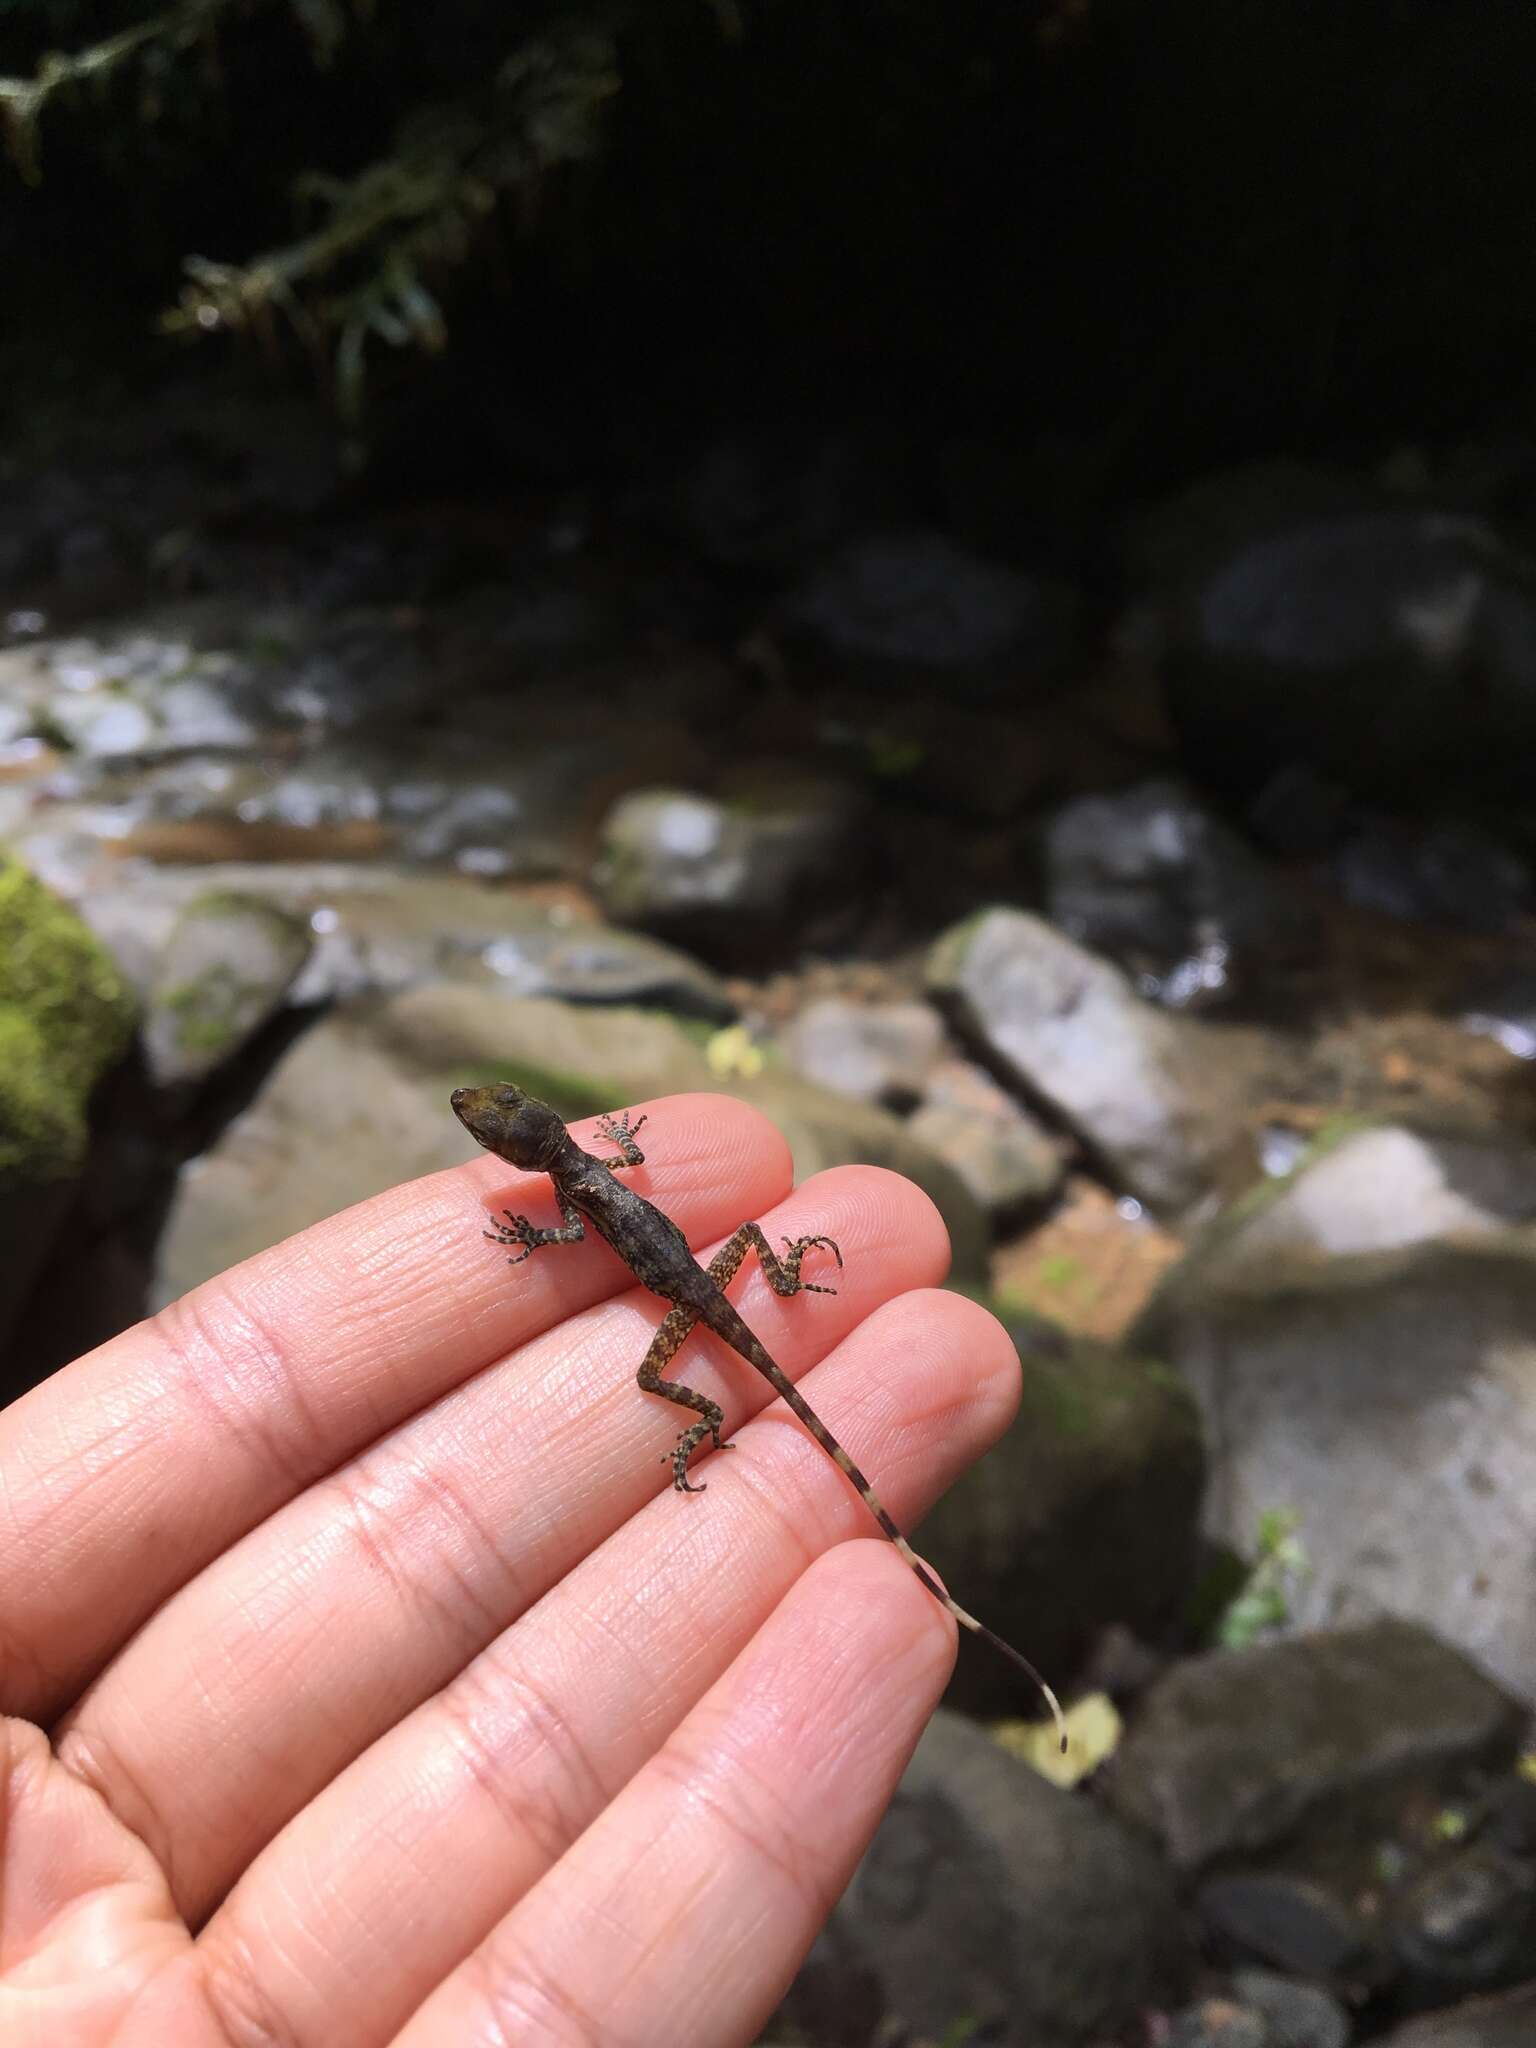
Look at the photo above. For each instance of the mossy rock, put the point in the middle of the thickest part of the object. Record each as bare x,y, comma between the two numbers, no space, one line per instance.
65,1017
1085,1514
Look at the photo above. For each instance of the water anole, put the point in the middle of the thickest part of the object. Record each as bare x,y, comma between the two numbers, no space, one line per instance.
529,1134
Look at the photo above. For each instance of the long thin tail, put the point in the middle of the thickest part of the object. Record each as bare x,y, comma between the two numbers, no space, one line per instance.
742,1340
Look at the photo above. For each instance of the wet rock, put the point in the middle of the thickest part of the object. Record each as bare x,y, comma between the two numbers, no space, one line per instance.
1366,1190
1415,1369
1234,1751
835,2000
1293,1921
487,807
777,865
878,1052
357,671
1218,2023
65,1020
1502,1006
1153,879
360,1102
228,964
1153,1096
377,929
990,1895
1262,2011
1294,2015
913,606
1392,651
1006,1157
1504,2022
156,690
1451,874
97,723
1468,1924
1084,1515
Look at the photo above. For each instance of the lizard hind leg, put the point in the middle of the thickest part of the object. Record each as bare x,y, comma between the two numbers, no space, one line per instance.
674,1327
783,1275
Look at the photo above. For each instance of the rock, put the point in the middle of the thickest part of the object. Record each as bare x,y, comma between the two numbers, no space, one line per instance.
1084,1515
1391,651
65,1020
989,1894
738,878
1293,1921
1234,1751
911,606
158,690
1415,1368
1502,1006
1156,881
835,2000
1294,2015
97,723
1468,1924
876,1052
1218,2023
360,1102
378,929
1450,874
1367,1190
1006,1157
492,807
1263,2011
1506,2022
228,965
1155,1097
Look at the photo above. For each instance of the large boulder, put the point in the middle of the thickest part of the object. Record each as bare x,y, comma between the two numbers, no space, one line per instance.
1362,1342
1154,1097
1086,1514
991,1897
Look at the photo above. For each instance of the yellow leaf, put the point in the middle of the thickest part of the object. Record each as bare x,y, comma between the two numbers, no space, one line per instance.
1093,1733
732,1055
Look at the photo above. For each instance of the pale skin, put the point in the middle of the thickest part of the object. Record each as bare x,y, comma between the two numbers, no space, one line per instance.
369,1687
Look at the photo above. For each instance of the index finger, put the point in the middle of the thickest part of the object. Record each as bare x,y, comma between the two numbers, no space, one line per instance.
125,1474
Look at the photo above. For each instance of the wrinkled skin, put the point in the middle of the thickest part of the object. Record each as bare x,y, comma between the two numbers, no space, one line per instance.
369,1682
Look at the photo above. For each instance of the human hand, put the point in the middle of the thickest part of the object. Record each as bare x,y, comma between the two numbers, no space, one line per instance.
391,1694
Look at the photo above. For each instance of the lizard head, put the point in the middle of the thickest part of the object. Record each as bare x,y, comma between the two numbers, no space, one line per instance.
516,1127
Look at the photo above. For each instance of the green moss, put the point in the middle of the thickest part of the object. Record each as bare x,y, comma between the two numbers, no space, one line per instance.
65,1017
946,956
207,1012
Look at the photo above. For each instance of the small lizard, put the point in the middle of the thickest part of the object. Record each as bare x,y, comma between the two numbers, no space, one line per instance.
529,1134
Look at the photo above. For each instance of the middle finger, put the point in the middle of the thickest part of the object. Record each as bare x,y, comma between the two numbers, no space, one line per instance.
275,1667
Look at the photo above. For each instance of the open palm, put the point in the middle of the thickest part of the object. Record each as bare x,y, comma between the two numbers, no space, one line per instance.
372,1685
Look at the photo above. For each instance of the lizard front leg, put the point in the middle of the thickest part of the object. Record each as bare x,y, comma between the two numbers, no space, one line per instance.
618,1130
518,1230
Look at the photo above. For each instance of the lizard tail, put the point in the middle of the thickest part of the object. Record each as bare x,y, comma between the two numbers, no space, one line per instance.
752,1350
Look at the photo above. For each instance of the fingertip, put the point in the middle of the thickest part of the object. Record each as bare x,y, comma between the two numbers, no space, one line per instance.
709,1131
991,1355
878,1208
868,1577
